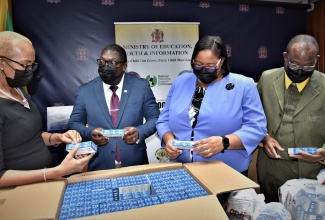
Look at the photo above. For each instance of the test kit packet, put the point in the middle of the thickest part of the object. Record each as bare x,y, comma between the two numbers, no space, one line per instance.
308,150
113,132
183,144
87,147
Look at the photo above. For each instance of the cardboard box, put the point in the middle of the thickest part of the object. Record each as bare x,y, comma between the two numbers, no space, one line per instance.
43,200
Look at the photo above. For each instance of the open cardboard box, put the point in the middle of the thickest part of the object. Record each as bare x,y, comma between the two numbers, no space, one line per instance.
43,200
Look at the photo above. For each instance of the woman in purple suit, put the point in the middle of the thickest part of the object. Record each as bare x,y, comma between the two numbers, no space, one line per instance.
220,111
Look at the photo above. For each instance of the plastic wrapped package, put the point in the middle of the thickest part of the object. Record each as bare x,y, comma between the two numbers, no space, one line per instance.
272,210
303,198
321,177
243,203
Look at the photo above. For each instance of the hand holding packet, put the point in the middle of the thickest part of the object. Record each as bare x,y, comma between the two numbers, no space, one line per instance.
183,144
308,150
87,147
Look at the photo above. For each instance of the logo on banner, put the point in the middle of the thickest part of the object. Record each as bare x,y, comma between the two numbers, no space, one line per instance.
152,80
279,10
157,36
161,104
243,8
262,52
204,5
158,3
161,155
82,53
107,2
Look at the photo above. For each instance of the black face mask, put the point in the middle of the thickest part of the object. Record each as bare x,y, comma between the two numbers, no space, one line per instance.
205,76
107,74
298,76
22,78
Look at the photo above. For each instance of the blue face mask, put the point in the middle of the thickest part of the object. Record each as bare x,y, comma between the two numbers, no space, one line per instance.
22,78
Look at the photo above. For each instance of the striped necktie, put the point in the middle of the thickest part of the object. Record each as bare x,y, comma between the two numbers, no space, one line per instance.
115,102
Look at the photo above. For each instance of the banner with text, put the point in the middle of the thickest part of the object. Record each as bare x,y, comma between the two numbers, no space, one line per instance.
158,52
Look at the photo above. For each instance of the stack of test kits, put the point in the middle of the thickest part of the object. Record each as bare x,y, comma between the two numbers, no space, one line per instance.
303,198
87,147
123,193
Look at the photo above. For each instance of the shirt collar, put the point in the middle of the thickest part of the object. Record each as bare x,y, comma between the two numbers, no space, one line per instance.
300,86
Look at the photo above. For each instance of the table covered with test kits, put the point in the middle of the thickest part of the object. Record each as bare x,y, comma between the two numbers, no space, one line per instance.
153,191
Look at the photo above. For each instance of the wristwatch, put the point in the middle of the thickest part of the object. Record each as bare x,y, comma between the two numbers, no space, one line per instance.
225,142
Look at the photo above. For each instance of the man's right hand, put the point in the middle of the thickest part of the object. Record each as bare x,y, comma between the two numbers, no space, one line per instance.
270,146
98,138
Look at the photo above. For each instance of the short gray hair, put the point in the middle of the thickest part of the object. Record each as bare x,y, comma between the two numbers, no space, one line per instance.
8,39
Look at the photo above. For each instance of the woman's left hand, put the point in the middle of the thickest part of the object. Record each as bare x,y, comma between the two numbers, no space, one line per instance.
209,146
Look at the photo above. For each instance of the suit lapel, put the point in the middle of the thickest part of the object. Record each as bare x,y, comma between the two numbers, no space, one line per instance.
309,93
99,90
279,87
124,95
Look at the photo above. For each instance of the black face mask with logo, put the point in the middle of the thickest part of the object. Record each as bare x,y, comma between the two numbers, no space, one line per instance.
298,76
107,74
22,78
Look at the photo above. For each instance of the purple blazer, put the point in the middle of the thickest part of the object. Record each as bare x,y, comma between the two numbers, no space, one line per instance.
236,111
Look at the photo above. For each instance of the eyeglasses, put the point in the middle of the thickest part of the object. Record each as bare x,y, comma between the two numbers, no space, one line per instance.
31,67
298,67
110,63
209,69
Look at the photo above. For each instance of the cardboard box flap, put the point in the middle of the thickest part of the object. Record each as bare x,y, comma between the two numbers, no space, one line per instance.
5,193
210,173
34,201
206,207
124,171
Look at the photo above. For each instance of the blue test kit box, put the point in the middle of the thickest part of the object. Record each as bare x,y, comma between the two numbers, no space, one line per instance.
183,144
113,132
86,147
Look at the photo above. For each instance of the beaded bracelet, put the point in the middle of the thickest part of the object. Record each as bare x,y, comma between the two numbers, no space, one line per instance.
55,145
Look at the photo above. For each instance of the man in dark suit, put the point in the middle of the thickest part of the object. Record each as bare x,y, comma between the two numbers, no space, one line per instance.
293,100
93,111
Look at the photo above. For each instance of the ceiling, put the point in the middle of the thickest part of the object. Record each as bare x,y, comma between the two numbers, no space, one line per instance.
287,1
292,1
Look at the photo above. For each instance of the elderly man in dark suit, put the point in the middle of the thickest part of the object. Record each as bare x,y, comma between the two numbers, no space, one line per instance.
293,98
115,100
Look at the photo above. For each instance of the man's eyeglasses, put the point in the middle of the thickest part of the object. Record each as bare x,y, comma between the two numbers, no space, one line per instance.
209,69
110,63
298,67
31,67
